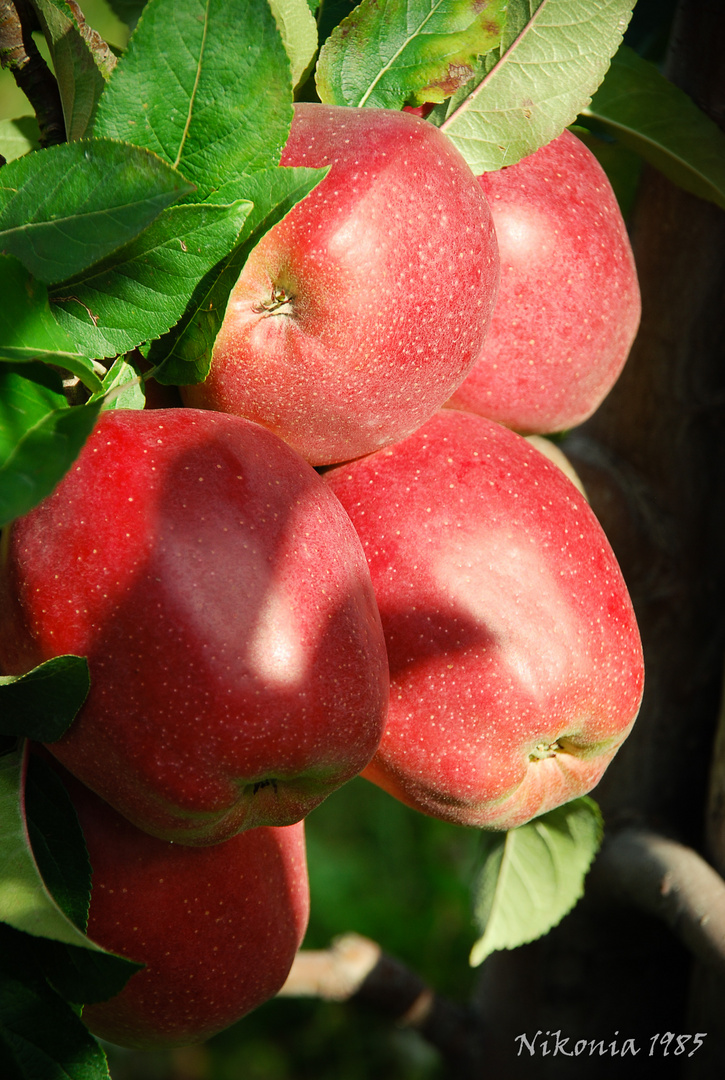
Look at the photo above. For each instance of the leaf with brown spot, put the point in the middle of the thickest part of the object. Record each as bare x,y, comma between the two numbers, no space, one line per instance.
389,53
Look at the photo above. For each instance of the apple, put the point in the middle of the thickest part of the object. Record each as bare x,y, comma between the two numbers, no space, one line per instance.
217,927
357,315
222,598
568,307
515,660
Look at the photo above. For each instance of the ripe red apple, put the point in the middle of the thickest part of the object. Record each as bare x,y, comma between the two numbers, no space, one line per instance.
218,589
357,316
217,927
568,307
515,661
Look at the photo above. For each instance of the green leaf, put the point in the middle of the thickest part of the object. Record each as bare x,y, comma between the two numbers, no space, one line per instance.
298,30
18,137
58,847
657,120
143,289
122,387
28,330
391,52
41,1036
26,902
81,64
42,704
40,436
553,56
66,207
184,355
533,876
205,84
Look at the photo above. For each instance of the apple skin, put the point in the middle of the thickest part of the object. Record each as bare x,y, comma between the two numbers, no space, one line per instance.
222,598
217,927
515,660
356,317
568,306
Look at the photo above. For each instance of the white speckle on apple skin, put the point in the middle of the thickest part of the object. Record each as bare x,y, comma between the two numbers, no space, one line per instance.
568,306
391,271
230,625
507,623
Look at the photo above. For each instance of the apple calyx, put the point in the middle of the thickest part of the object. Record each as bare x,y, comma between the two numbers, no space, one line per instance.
545,750
278,300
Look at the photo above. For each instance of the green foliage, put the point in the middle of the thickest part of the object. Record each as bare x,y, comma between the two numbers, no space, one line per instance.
553,55
391,52
40,436
140,291
298,30
205,85
43,703
122,386
133,235
63,208
81,70
658,121
184,355
45,959
532,876
28,330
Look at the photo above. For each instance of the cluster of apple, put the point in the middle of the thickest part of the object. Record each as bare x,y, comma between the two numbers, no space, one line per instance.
335,559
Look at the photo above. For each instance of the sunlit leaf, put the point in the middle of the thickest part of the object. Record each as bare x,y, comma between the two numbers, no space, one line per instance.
143,289
389,52
206,85
66,207
298,29
533,876
553,56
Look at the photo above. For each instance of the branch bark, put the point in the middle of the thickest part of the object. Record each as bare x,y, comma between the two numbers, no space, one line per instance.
670,881
356,969
19,53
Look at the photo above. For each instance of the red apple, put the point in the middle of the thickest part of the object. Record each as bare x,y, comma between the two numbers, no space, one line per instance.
515,660
218,589
568,307
217,927
357,316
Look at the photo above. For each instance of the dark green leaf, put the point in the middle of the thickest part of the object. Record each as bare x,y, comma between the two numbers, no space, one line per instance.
185,353
25,900
41,1036
57,841
40,436
658,121
80,974
128,11
533,876
389,52
66,207
42,704
80,71
28,330
206,85
553,56
143,289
